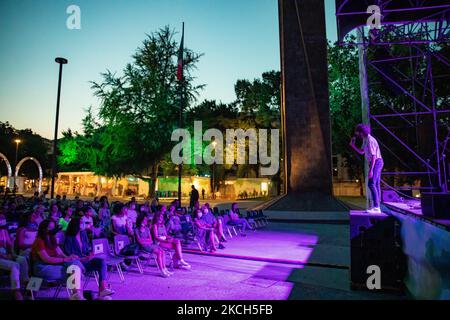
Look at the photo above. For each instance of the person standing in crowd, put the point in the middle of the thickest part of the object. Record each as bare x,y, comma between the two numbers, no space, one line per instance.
154,205
194,197
203,193
17,266
371,150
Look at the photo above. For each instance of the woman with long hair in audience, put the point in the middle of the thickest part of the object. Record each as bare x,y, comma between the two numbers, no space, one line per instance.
145,240
26,234
49,261
54,213
17,266
77,244
165,241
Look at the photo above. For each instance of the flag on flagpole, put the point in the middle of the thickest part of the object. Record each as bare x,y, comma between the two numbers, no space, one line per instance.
181,58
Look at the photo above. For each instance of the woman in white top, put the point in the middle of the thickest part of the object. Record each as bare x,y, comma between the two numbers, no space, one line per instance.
132,213
119,221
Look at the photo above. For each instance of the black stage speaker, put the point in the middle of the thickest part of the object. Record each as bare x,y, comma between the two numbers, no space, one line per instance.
375,240
436,205
390,196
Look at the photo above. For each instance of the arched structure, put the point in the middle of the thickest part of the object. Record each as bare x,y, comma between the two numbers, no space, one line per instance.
39,168
8,166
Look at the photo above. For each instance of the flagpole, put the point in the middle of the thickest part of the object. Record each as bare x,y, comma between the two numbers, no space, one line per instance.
180,121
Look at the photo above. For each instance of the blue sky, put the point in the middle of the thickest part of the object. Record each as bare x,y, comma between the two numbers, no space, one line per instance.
238,37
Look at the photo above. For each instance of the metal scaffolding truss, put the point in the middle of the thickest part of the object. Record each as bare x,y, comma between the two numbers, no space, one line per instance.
404,59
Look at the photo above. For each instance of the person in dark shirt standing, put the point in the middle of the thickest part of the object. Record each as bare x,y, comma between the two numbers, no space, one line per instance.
195,196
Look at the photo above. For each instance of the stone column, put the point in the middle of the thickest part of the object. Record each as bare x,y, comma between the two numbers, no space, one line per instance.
305,107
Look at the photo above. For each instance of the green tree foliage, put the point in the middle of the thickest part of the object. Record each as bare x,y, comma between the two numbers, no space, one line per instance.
345,102
257,106
138,111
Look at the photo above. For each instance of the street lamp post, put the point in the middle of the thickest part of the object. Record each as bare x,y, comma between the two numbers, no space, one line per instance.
214,172
61,62
17,141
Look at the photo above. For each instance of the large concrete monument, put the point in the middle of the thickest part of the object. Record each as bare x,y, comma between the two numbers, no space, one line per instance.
305,107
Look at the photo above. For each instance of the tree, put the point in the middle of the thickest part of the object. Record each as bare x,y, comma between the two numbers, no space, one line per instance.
345,103
138,111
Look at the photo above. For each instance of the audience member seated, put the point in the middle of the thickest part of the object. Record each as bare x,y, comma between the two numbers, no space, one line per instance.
63,222
175,226
39,212
164,212
213,222
95,204
49,261
104,217
54,213
79,205
154,206
235,219
119,221
88,219
146,209
17,266
12,214
145,240
205,232
26,234
77,244
167,242
132,213
186,222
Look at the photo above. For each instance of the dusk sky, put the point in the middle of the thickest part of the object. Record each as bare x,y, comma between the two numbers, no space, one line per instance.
238,37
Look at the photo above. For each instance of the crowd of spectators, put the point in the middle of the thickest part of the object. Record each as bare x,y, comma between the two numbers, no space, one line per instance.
40,237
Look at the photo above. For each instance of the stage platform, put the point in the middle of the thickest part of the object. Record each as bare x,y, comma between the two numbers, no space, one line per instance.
413,208
316,267
424,243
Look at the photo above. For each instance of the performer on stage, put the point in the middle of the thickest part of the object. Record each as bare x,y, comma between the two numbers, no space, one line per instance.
371,150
